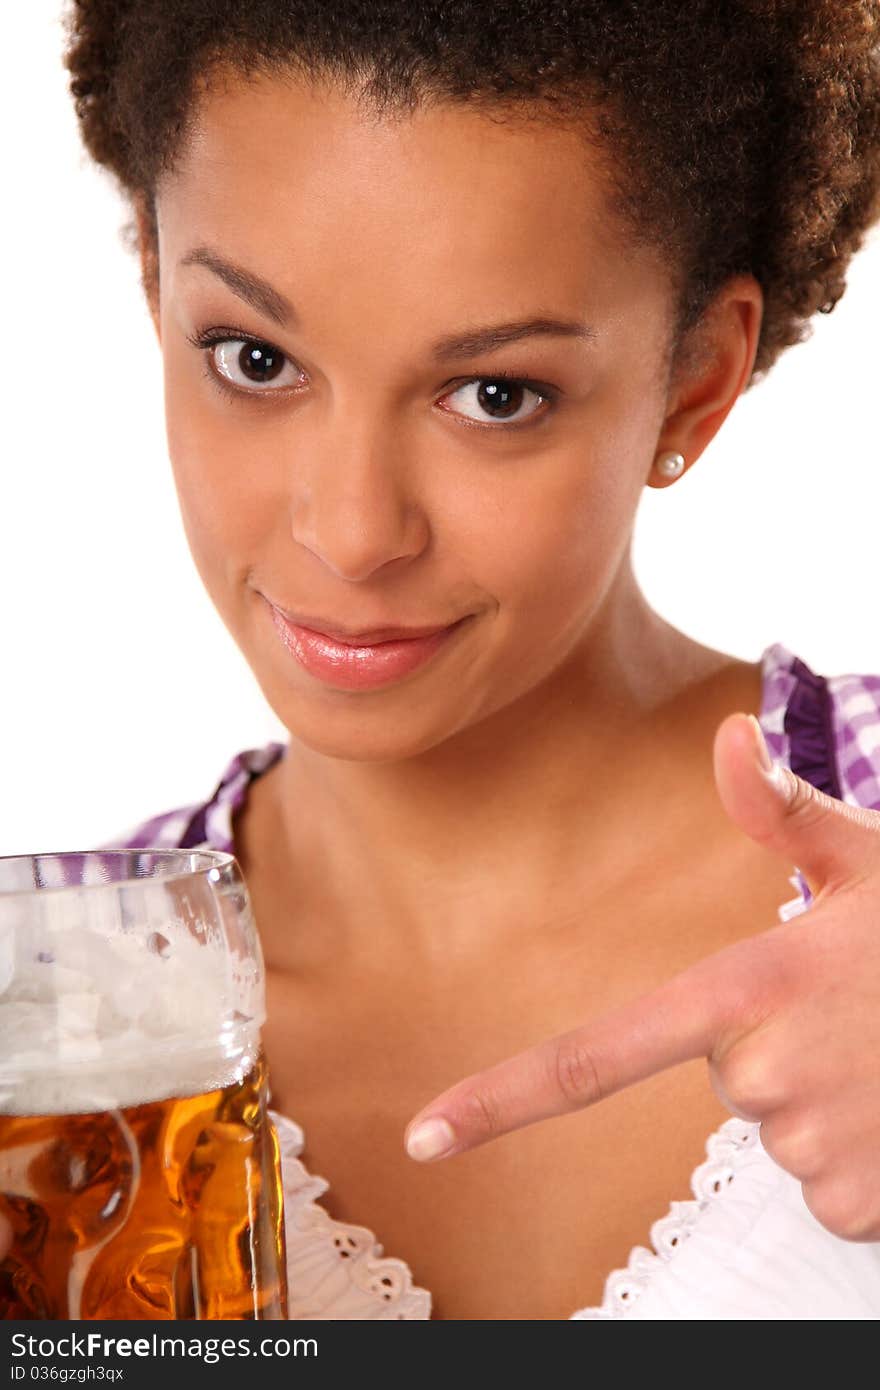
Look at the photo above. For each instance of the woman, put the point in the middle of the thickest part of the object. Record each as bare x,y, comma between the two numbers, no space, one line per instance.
438,292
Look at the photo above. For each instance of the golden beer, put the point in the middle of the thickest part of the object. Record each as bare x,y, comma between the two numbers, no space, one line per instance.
139,1168
170,1209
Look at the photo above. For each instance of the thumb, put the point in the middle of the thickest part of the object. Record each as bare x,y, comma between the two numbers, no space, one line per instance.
830,841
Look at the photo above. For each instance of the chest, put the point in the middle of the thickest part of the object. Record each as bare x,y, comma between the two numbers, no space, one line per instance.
530,1225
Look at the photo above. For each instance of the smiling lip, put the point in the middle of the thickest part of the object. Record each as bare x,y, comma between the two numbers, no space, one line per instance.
350,665
368,638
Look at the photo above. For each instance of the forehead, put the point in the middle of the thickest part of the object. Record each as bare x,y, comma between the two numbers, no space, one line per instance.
291,177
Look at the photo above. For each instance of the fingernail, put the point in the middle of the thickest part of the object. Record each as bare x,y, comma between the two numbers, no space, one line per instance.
761,745
773,770
430,1139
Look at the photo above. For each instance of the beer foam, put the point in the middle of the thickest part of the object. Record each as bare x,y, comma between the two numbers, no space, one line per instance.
90,1021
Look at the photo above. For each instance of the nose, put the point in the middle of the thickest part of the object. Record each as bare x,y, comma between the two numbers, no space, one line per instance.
353,502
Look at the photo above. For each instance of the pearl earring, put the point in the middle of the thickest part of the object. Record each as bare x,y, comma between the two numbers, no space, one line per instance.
670,465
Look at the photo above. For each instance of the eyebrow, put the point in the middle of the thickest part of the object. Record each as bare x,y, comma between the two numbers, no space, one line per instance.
263,297
496,335
251,288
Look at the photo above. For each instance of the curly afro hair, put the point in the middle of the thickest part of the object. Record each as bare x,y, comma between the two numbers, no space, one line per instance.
737,135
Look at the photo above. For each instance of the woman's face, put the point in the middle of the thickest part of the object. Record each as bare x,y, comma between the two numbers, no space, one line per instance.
367,472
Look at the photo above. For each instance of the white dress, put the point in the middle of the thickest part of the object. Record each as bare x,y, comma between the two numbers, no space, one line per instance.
745,1246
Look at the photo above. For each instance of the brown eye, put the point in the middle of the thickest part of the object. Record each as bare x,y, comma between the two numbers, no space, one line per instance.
504,399
259,362
247,363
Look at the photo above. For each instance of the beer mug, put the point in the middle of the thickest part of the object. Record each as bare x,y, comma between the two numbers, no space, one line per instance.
139,1168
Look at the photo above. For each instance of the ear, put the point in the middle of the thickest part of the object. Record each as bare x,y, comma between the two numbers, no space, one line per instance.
713,367
147,233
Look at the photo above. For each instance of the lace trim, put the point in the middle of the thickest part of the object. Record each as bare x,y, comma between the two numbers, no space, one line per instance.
709,1182
624,1287
336,1270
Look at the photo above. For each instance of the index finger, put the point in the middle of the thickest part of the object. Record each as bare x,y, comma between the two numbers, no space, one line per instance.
689,1016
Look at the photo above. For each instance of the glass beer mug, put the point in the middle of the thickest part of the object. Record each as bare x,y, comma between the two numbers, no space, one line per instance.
139,1169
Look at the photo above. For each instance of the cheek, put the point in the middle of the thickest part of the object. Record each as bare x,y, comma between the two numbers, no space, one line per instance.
225,504
563,532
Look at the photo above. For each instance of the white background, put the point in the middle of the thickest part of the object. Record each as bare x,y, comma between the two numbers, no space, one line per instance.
122,693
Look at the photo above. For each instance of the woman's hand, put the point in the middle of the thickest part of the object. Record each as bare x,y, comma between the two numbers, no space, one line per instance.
789,1020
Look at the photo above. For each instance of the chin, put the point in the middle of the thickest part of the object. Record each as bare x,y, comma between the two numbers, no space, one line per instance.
350,735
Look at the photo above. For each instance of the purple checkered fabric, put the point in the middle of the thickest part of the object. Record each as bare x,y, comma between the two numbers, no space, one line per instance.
205,824
856,730
826,729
